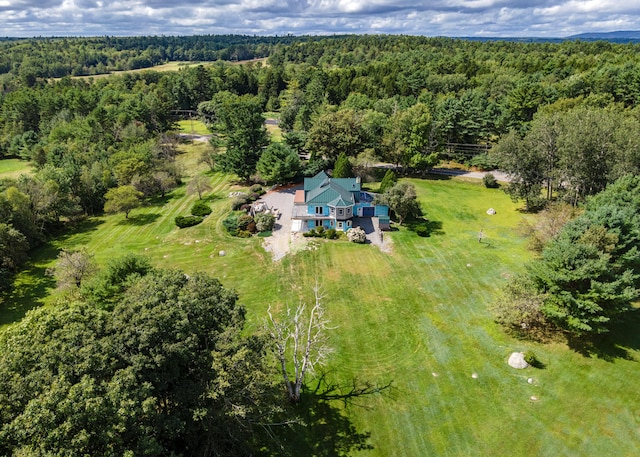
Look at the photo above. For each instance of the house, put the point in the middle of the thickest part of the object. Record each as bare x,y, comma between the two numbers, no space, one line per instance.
333,203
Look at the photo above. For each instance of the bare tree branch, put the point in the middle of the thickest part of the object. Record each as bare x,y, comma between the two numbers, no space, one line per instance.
301,338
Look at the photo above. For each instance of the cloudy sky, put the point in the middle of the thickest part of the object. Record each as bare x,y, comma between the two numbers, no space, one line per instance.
500,18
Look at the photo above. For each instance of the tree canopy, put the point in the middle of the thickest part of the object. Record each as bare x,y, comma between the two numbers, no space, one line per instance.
588,274
165,372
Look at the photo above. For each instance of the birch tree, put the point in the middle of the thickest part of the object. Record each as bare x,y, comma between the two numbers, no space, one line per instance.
300,342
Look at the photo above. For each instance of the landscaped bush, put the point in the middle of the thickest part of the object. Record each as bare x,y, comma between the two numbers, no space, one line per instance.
256,188
187,221
490,181
200,208
243,234
356,235
315,233
253,196
246,207
231,223
238,201
243,221
311,233
322,232
331,234
265,221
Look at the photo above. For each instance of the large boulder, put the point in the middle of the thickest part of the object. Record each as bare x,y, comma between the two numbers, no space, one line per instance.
516,360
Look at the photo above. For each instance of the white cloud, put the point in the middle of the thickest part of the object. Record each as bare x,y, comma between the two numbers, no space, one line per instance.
428,17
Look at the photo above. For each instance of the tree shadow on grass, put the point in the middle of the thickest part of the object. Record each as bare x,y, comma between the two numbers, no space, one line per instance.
324,429
140,219
425,227
622,338
30,286
438,177
159,200
74,229
210,198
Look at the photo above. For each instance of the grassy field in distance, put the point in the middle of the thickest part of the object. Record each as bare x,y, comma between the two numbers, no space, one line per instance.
13,168
169,66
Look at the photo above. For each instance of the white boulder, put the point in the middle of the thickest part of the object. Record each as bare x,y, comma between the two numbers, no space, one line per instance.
516,360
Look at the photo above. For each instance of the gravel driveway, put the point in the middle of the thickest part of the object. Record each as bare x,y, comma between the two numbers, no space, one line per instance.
282,239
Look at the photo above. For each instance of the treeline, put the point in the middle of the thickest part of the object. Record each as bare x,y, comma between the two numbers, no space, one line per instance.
58,57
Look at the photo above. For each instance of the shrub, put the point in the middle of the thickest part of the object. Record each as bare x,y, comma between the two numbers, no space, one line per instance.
200,208
243,221
246,207
257,189
490,181
356,235
265,222
484,162
253,196
314,233
320,231
238,201
231,223
331,234
187,221
243,234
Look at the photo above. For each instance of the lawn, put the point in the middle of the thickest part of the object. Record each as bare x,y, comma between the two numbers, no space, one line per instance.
13,168
192,126
417,318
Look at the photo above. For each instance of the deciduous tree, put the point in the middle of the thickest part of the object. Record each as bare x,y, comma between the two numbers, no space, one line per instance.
72,268
122,199
198,184
402,200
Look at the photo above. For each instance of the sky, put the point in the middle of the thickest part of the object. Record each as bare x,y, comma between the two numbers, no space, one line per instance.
456,18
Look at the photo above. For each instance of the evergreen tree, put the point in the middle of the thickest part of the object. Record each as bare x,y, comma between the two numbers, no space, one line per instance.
342,168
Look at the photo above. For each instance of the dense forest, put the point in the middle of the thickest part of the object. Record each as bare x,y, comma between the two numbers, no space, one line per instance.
562,119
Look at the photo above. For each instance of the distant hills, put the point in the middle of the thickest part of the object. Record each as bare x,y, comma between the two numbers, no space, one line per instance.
610,36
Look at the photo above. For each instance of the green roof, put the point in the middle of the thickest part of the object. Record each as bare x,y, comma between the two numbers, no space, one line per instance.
322,190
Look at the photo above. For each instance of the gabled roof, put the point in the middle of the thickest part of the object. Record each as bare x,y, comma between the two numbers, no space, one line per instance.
322,190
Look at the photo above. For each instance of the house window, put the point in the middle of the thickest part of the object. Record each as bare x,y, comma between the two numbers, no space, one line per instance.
318,209
340,225
318,223
340,212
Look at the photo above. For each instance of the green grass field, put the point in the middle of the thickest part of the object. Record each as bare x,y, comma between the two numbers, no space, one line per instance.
192,126
13,168
417,317
169,66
